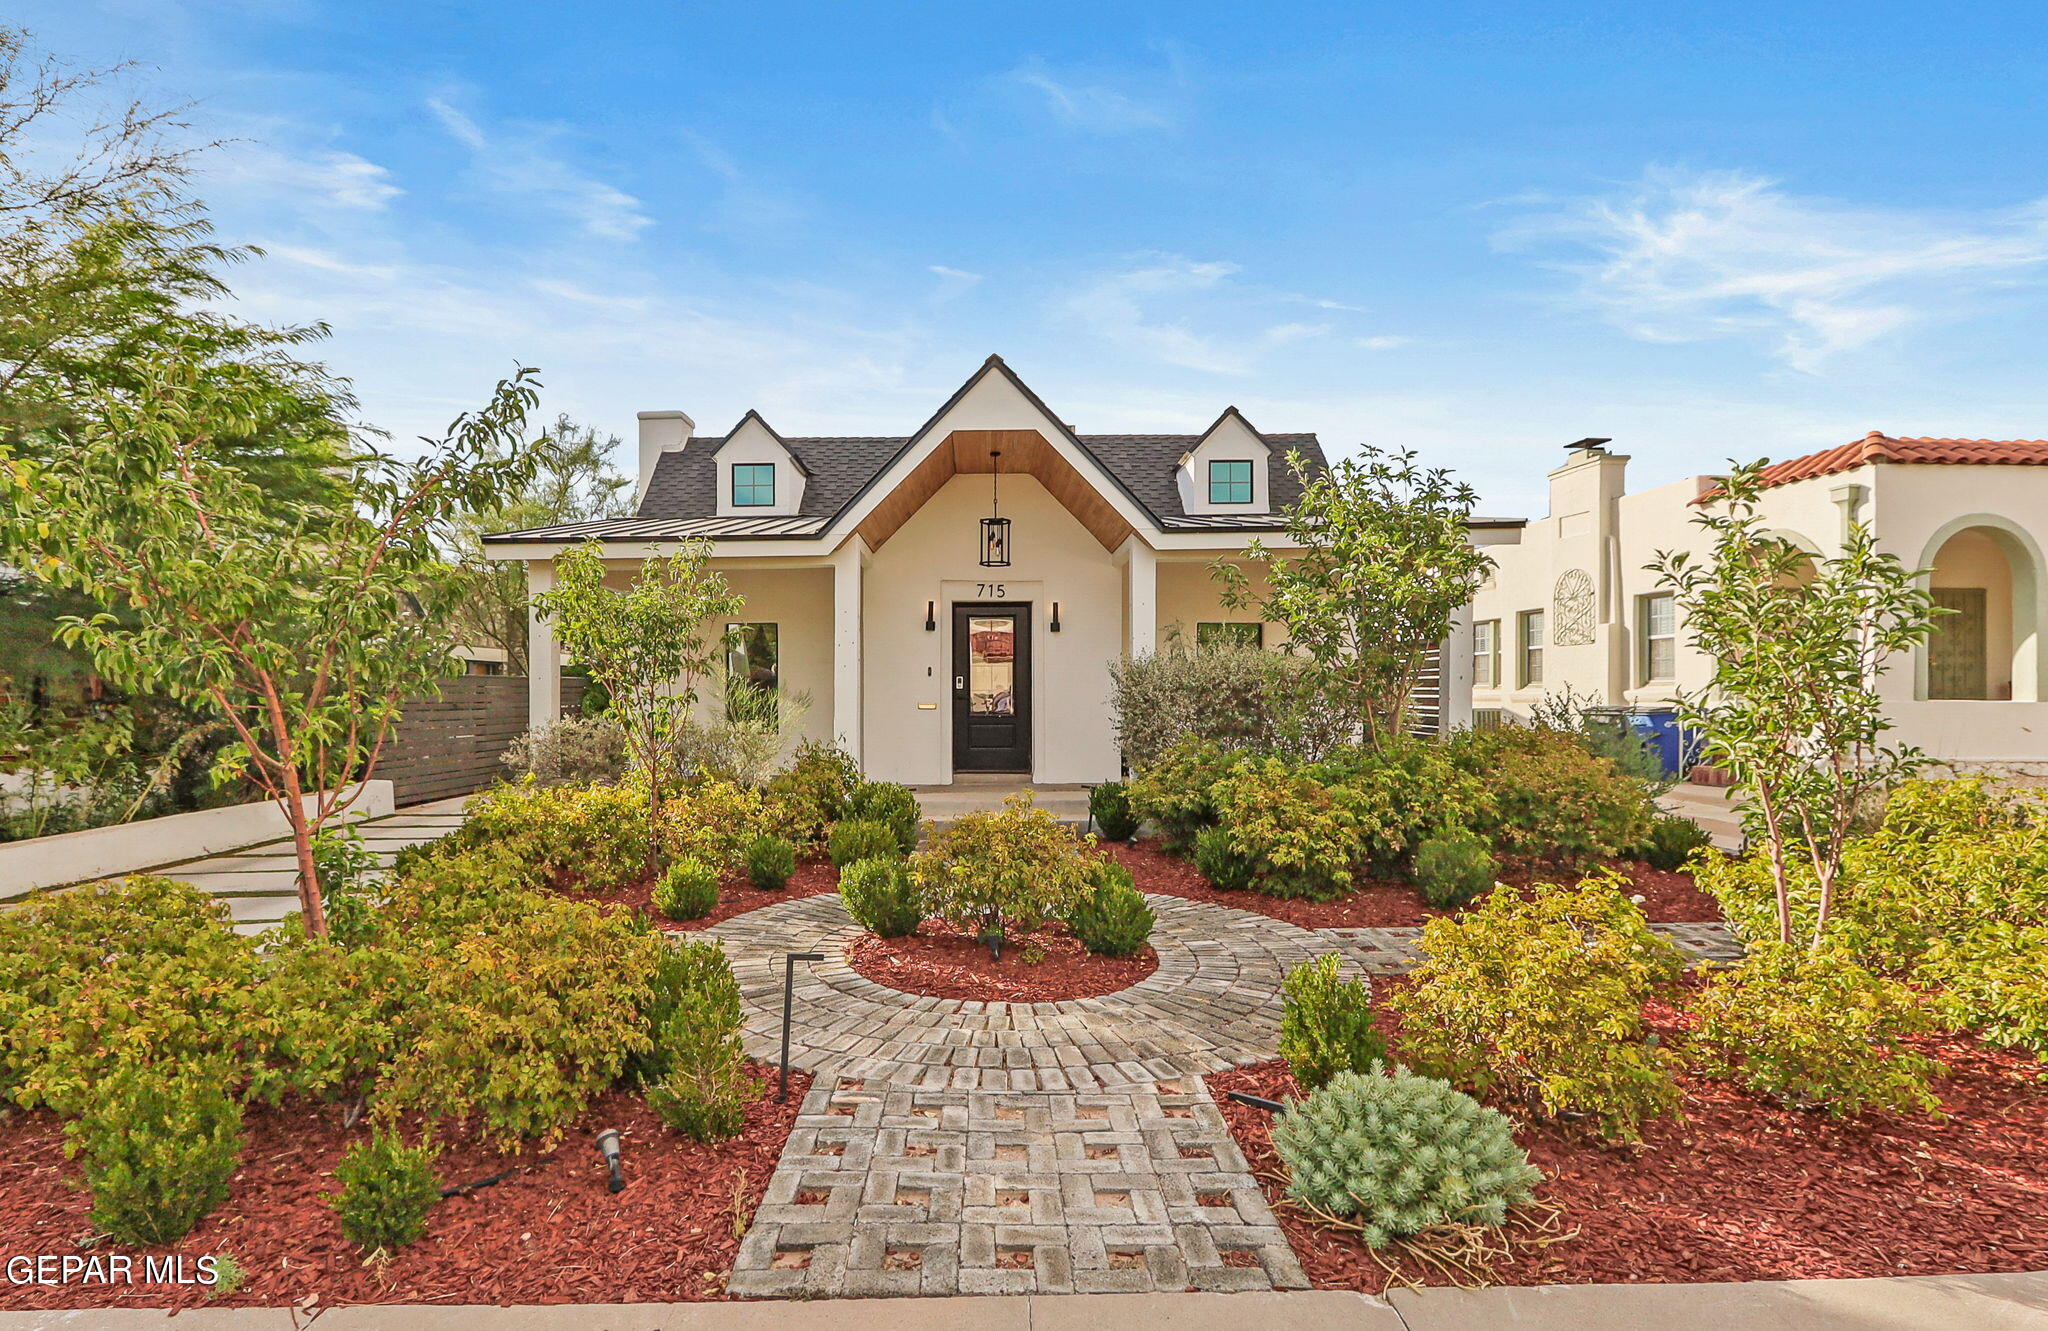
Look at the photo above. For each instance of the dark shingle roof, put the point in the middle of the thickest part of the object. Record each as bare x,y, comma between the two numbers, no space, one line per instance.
685,484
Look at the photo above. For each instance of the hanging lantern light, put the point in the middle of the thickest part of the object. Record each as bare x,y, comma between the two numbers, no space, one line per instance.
995,528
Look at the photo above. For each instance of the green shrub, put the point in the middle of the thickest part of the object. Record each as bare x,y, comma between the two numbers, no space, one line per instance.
1299,836
697,1080
770,862
324,1017
1109,804
1402,1153
1173,790
990,870
1326,1023
1672,841
574,751
802,802
882,897
1994,979
1112,919
1548,797
158,1144
688,890
1234,697
1217,859
851,841
887,802
684,965
1815,1031
387,1188
343,866
1451,870
141,970
1539,992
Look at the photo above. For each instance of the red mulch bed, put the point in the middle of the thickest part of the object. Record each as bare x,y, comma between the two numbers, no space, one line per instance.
736,895
1745,1190
549,1234
1668,898
943,962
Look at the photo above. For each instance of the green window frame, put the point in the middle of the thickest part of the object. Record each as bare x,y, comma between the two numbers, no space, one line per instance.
1230,482
1214,633
753,484
1657,615
1529,639
1486,654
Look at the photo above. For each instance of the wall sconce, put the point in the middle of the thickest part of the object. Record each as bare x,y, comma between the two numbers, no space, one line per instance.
1055,625
931,616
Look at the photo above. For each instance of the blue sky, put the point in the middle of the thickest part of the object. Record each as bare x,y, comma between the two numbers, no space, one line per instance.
1479,230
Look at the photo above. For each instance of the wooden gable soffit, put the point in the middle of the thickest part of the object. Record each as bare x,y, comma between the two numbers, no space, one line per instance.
1025,453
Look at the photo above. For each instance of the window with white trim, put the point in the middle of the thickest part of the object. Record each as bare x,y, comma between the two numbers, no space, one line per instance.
1486,654
1529,635
1657,617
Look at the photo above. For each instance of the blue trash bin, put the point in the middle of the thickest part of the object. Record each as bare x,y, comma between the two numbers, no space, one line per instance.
1659,729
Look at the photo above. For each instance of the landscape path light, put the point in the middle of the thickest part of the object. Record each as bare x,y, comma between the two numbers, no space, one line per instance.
789,961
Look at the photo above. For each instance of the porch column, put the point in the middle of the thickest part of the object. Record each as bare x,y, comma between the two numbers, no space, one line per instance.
543,657
846,644
1454,674
1141,597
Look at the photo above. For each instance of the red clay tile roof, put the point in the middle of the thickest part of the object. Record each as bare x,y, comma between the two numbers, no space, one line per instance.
1879,447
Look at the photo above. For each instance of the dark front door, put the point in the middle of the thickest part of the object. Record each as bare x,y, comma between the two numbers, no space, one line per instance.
992,688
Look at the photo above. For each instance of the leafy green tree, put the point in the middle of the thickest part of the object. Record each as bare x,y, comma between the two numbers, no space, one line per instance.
1380,560
486,598
647,644
1792,710
296,624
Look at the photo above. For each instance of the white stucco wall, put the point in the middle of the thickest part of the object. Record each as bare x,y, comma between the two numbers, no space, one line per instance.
799,602
933,557
1914,511
1189,596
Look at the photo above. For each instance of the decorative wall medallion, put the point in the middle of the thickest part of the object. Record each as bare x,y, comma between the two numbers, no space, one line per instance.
1572,610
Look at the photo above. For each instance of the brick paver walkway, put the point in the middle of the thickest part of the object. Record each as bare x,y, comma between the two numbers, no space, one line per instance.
953,1147
885,1190
1393,951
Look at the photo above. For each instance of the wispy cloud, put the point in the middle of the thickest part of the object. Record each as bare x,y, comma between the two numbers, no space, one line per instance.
1383,343
1116,308
1098,104
1688,256
518,163
331,178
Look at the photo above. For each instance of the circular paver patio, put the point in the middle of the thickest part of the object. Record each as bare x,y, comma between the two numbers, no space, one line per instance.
1213,1003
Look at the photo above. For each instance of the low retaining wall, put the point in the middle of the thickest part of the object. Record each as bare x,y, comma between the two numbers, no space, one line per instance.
106,852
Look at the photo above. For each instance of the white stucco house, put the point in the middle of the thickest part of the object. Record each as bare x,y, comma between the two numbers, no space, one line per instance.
1570,603
950,599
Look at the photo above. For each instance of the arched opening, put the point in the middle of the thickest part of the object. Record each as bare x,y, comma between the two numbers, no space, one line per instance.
1984,647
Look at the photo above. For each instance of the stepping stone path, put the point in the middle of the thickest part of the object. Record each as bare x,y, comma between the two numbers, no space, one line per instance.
951,1147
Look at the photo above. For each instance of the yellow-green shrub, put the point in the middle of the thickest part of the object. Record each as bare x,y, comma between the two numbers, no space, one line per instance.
713,821
811,795
1815,1031
1402,792
579,837
1538,993
1299,836
1174,790
1017,867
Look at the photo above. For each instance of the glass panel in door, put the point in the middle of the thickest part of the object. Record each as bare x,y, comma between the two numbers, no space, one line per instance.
992,666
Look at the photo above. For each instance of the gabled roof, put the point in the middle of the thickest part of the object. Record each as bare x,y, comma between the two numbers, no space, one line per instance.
758,419
842,467
1878,447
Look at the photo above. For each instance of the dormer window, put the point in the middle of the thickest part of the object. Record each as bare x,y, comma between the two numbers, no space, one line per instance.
753,485
1230,482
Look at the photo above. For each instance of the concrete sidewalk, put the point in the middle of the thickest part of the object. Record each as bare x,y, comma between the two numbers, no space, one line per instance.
1912,1303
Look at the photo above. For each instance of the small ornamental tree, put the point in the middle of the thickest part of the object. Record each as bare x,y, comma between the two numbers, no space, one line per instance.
1792,710
1384,560
297,622
646,645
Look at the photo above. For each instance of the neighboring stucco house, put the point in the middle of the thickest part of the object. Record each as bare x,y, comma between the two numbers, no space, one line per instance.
951,600
1571,604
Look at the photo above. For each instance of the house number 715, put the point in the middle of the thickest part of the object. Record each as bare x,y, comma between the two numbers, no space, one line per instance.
991,589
